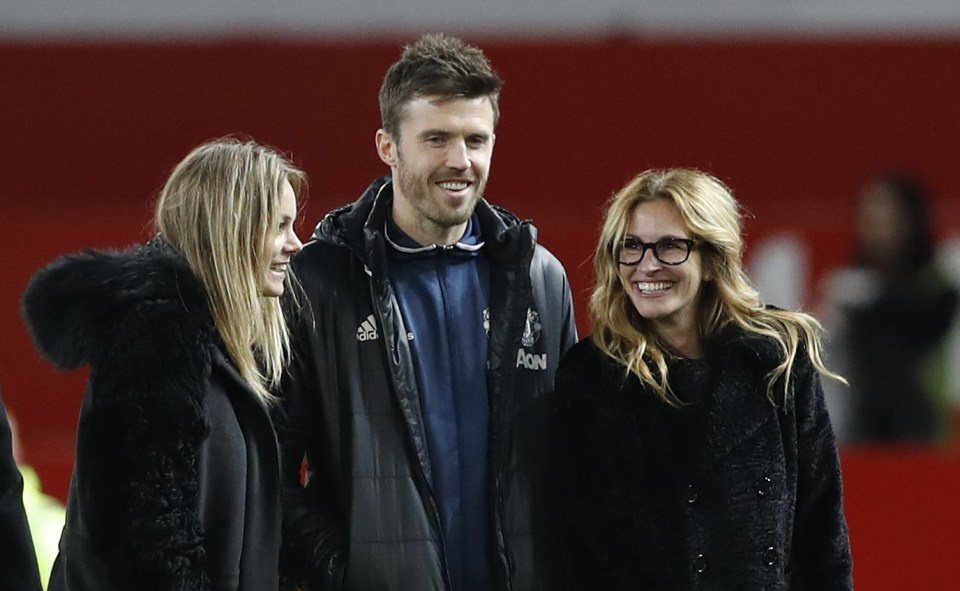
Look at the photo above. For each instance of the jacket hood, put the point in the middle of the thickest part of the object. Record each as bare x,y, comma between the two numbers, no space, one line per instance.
348,225
67,304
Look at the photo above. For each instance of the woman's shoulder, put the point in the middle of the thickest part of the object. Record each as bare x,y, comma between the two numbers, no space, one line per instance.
584,354
753,357
760,348
139,319
585,369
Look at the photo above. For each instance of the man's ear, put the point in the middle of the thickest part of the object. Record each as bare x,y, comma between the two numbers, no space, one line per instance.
386,147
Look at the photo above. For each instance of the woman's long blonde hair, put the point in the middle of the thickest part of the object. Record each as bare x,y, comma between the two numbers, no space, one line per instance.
714,218
220,209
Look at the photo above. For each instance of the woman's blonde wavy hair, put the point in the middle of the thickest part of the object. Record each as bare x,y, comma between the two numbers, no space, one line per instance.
714,218
220,209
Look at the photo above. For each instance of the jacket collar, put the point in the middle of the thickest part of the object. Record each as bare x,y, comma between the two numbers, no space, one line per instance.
360,225
401,243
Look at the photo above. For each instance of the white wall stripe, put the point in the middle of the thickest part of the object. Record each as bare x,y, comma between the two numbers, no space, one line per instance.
120,19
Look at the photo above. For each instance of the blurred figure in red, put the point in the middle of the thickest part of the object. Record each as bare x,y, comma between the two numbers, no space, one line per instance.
889,314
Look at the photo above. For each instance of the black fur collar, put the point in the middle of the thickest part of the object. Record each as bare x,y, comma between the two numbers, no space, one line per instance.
68,303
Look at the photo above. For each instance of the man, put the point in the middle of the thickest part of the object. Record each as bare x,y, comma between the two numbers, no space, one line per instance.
417,389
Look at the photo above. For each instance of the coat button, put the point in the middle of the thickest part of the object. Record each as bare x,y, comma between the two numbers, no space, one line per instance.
770,556
699,564
691,494
763,486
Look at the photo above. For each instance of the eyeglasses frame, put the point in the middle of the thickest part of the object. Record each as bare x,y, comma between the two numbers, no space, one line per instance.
689,242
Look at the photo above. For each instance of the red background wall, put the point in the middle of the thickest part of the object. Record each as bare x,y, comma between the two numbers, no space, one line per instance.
89,132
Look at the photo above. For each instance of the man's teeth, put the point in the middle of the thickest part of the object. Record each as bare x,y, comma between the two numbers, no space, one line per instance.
454,185
649,287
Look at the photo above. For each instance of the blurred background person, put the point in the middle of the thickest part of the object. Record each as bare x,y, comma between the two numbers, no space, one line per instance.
177,478
45,513
888,315
18,562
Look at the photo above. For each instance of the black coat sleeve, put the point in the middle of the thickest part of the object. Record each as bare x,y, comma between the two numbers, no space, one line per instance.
138,442
313,539
593,506
821,547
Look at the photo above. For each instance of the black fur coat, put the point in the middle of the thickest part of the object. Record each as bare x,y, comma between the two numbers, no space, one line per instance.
729,492
176,482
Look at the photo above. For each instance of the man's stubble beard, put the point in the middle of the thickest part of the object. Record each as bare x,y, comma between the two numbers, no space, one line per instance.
417,190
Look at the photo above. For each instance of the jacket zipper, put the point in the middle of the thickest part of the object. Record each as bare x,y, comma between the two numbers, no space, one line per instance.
393,354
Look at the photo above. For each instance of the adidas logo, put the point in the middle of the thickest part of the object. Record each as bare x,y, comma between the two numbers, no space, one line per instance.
367,331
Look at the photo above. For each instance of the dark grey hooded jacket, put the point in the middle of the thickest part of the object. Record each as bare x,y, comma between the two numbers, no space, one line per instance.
367,518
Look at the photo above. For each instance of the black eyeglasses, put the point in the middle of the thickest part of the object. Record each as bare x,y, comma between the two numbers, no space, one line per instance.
669,251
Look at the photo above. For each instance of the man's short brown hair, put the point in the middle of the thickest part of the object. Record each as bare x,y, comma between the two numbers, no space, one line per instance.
436,65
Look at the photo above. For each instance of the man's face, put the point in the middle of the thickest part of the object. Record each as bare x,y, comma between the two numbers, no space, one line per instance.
440,165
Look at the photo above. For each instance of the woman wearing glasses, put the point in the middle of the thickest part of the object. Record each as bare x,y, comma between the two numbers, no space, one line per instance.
697,451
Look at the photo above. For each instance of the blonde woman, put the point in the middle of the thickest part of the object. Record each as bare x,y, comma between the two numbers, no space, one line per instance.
176,483
697,449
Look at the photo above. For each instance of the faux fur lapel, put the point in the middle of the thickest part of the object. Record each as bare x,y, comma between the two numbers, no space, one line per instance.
737,405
